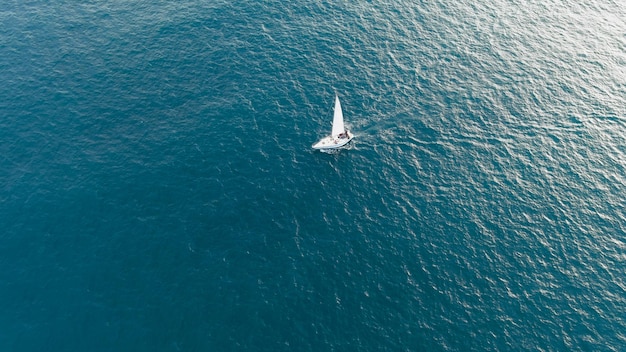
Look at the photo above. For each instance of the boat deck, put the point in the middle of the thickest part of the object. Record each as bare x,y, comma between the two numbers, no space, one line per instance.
333,142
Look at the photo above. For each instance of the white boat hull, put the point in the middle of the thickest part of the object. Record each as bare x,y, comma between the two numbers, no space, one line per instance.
333,142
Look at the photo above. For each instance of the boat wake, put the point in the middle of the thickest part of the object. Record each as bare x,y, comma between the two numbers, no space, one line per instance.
330,151
337,150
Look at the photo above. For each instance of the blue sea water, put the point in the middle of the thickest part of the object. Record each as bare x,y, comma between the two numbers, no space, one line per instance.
158,191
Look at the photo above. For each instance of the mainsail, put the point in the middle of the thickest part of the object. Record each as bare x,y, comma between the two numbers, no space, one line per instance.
337,119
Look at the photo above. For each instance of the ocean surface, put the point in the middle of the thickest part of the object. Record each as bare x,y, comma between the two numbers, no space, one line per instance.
158,190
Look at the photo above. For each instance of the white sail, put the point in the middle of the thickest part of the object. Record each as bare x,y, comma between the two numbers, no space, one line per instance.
337,119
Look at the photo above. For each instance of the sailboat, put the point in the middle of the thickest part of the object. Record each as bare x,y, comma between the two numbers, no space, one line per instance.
339,135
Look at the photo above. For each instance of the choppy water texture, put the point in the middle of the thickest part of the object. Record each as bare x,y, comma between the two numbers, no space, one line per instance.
159,193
